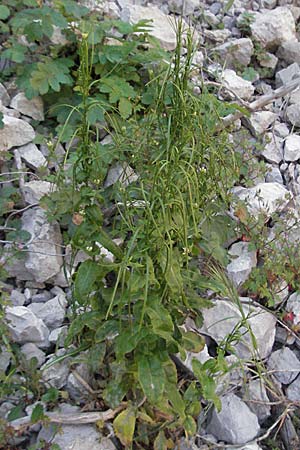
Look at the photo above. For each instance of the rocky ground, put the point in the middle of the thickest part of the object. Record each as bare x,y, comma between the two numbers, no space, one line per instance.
249,39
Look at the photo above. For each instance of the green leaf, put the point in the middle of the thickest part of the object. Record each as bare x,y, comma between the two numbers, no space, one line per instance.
51,74
74,10
114,392
208,385
16,412
4,12
1,121
51,396
124,425
37,413
190,426
151,376
193,342
161,442
173,395
125,107
87,275
106,330
16,53
117,88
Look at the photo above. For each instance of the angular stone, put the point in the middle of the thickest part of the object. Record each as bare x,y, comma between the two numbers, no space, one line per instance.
264,198
187,7
273,175
52,312
4,97
242,88
273,150
289,52
281,129
292,148
272,28
32,156
217,36
58,336
33,108
269,61
242,263
293,114
5,360
287,75
259,122
24,326
36,189
236,53
284,364
30,351
220,321
75,389
75,437
44,258
162,28
57,374
256,398
17,298
235,423
9,112
16,132
42,297
294,97
122,173
253,446
293,390
293,305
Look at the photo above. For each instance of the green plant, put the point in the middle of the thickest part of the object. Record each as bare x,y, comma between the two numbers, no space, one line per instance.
168,219
245,21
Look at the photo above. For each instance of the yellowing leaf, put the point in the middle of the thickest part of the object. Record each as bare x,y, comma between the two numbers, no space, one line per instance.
162,443
193,342
124,425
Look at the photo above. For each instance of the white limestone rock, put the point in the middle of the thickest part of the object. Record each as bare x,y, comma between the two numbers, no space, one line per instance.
235,423
285,76
264,198
16,132
292,148
36,189
162,27
273,150
293,306
289,52
57,374
4,97
32,156
25,327
243,261
272,28
52,312
236,53
242,88
284,364
33,108
293,114
30,350
259,122
44,258
273,175
220,321
255,396
122,173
